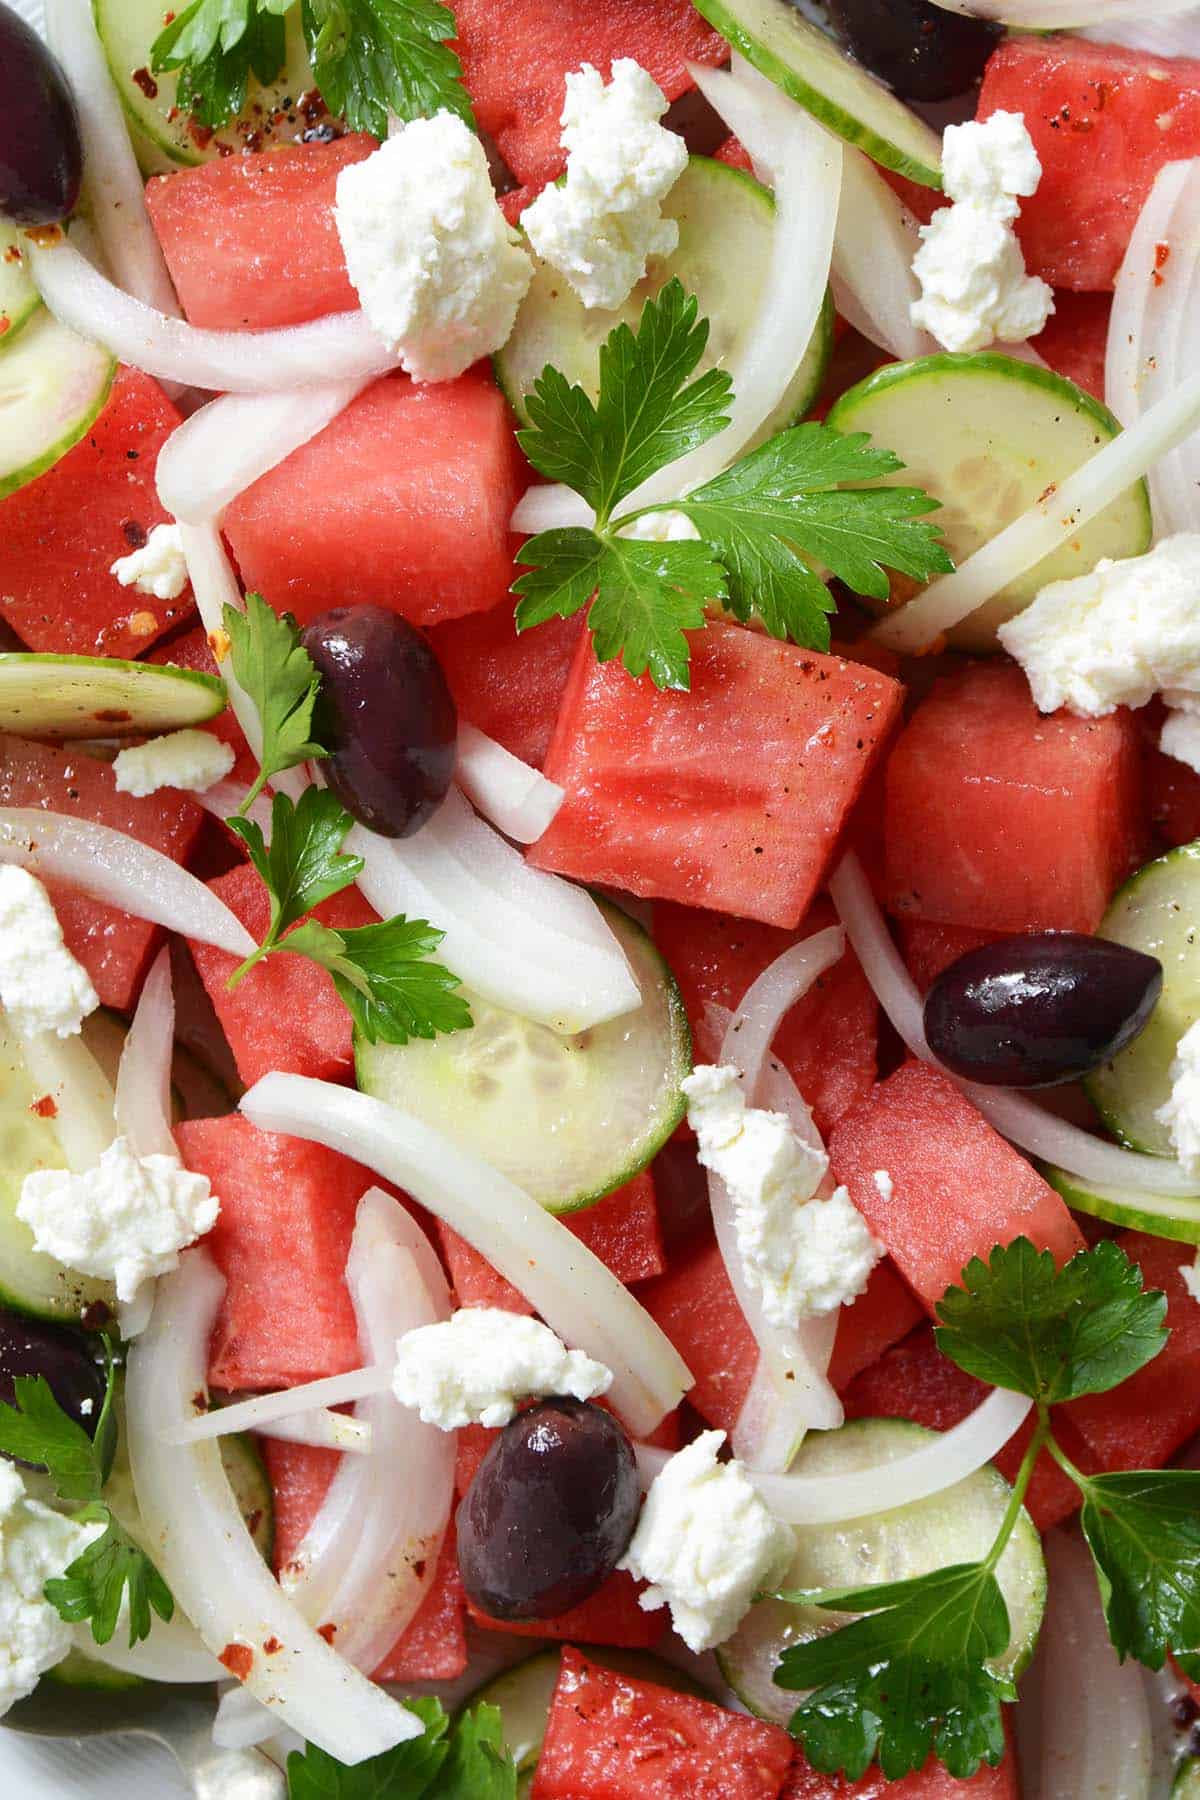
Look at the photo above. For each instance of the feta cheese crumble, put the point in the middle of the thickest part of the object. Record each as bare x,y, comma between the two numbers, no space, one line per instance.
36,1545
474,1368
599,225
123,1221
805,1256
437,267
1191,1277
158,568
193,760
1181,1113
707,1544
974,288
42,986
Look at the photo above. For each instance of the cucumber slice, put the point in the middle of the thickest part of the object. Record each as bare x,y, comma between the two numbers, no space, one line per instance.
1161,1215
1186,1785
957,1526
52,385
1155,911
19,299
77,1670
806,63
725,222
986,436
48,696
567,1118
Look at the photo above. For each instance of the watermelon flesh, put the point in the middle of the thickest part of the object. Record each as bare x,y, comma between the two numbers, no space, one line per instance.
1075,340
402,501
930,1783
62,533
930,948
609,1616
506,684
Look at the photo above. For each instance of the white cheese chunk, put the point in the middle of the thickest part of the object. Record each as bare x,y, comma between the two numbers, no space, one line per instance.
437,267
158,568
707,1544
42,986
1191,1277
1181,1113
1180,736
475,1368
600,224
36,1545
192,760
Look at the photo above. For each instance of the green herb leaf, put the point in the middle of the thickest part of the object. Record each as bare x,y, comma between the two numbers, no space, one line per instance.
479,1766
465,1760
303,864
1020,1322
270,662
375,57
36,1430
94,1585
216,45
1143,1529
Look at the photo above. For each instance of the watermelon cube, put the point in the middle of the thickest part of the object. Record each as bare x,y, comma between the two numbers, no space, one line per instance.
734,794
251,241
956,1190
609,1616
611,1737
113,946
404,501
61,534
929,948
1001,819
1075,340
930,1783
508,685
1104,121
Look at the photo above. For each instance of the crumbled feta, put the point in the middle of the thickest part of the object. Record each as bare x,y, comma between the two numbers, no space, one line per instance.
158,568
1117,635
974,288
1181,1113
437,267
36,1544
599,225
885,1187
1191,1277
42,987
125,1220
661,528
805,1256
474,1368
1180,737
707,1543
193,760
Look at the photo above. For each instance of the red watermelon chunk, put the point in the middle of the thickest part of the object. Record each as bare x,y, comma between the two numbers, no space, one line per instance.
60,535
113,946
1004,820
508,685
959,1189
1075,341
251,241
611,1737
827,1042
733,795
930,948
281,1242
609,1616
1104,121
930,1783
404,501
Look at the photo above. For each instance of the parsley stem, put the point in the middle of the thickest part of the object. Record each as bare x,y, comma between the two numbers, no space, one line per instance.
1063,1460
243,969
1041,1437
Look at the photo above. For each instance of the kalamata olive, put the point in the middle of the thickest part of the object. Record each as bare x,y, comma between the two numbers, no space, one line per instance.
387,715
64,1357
921,51
41,157
1038,1009
550,1513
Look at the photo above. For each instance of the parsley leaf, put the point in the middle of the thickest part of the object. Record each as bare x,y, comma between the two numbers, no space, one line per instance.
1143,1529
216,45
1020,1322
450,1762
279,675
303,864
375,57
94,1585
479,1766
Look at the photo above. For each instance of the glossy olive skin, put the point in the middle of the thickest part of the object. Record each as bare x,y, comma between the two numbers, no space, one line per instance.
550,1513
41,156
63,1356
1039,1009
387,715
921,51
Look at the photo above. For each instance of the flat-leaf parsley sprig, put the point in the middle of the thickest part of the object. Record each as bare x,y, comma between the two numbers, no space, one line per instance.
761,524
463,1759
918,1672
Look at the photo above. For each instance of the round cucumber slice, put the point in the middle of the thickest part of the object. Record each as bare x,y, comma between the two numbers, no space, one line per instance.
52,385
1161,1215
987,436
19,299
47,696
806,63
957,1526
1155,912
725,221
567,1118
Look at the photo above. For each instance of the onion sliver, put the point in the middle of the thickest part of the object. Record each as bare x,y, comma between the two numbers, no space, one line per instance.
323,1430
120,870
207,1556
144,1072
575,1293
769,999
342,347
872,277
262,1412
517,800
84,1120
1177,34
1062,15
224,447
225,799
214,587
172,1652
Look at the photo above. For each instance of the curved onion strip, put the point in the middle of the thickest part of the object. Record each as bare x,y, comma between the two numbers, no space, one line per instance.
572,1289
1017,1118
208,1557
769,999
225,799
517,800
1061,15
263,1412
84,1118
339,348
120,870
175,1654
144,1072
214,587
225,446
324,1430
872,276
1175,35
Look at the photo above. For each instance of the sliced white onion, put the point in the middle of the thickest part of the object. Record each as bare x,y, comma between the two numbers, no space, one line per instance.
521,938
121,871
206,1554
242,1721
225,799
1061,15
324,1430
872,277
517,800
144,1072
339,348
369,1557
214,587
768,1000
84,1119
1177,34
224,447
173,1652
575,1293
265,1412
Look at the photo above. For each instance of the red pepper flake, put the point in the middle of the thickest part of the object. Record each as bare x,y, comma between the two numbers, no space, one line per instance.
5,324
220,645
1162,256
168,18
45,1108
328,1632
134,533
13,253
1046,493
113,715
200,1401
142,624
272,1647
238,1659
143,79
46,235
201,135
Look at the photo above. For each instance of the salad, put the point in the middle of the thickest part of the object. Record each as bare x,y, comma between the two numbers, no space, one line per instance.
599,885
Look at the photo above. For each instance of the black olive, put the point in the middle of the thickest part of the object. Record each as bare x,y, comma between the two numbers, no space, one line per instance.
921,51
41,156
